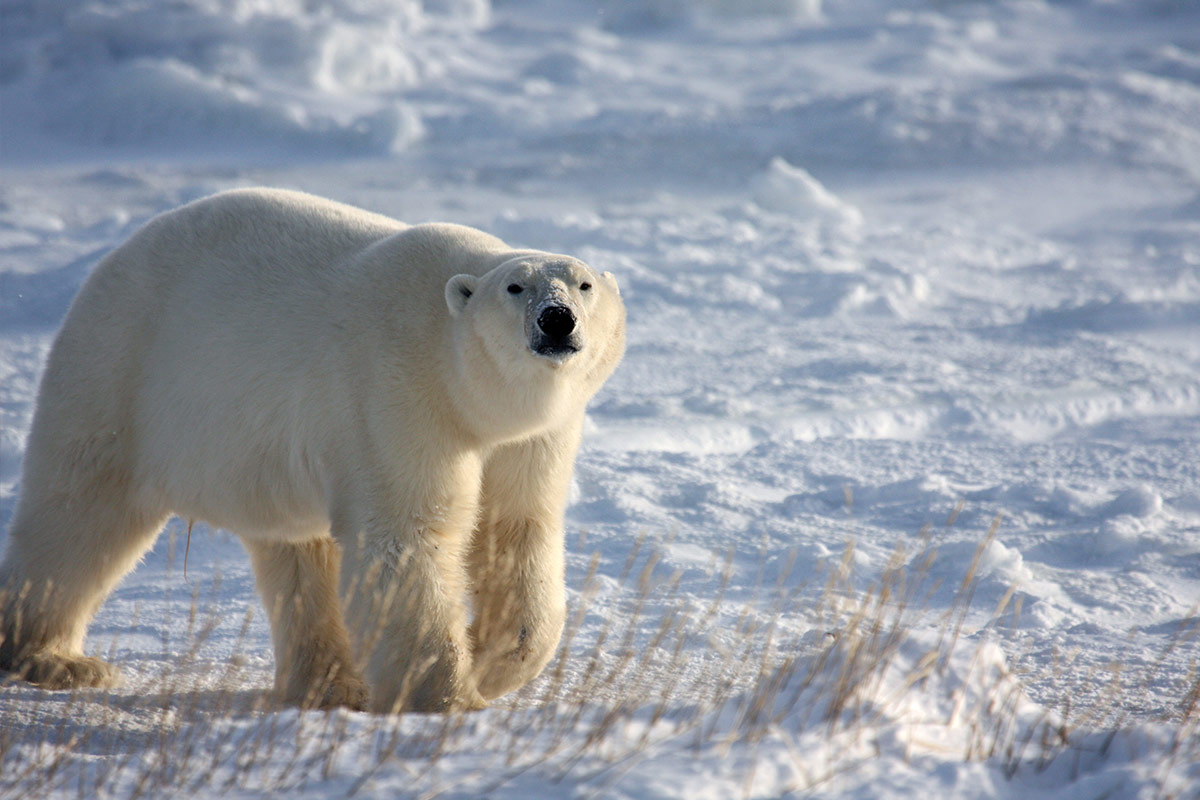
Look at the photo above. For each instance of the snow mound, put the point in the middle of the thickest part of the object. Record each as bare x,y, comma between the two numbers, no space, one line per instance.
161,106
640,14
1114,315
826,719
230,76
788,189
992,568
1139,502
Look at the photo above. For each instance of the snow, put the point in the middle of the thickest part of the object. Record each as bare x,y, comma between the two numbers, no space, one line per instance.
914,305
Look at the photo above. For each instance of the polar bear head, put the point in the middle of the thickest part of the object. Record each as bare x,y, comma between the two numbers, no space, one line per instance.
563,310
541,319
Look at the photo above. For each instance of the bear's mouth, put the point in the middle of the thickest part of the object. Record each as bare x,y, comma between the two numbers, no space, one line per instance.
555,350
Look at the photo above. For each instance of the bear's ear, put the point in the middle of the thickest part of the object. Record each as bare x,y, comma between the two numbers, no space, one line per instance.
612,280
458,291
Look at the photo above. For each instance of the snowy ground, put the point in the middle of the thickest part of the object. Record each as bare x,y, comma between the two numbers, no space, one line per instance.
894,271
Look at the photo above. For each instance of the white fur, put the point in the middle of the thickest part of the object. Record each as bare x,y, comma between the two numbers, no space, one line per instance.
293,369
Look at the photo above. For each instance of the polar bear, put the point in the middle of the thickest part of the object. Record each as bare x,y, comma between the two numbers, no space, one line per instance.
386,415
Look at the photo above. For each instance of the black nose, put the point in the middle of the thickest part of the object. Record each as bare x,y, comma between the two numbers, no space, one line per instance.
556,321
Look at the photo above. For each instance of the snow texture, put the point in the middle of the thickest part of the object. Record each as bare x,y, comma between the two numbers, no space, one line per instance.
917,277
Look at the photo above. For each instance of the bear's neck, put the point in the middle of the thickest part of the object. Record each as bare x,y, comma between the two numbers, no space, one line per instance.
497,405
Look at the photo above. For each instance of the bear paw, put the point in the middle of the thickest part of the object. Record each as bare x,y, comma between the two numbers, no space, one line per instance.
349,693
57,671
333,687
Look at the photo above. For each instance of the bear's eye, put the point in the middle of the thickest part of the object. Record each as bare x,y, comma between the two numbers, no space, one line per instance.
585,286
515,288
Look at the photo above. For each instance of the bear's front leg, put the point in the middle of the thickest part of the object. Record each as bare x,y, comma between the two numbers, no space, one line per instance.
516,561
408,623
517,571
404,592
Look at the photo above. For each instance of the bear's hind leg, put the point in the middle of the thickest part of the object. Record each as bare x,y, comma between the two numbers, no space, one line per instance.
65,554
298,583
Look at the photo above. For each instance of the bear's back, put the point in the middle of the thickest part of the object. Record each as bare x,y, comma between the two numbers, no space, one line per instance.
278,234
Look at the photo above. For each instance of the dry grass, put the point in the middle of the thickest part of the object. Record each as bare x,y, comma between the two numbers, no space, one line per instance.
644,668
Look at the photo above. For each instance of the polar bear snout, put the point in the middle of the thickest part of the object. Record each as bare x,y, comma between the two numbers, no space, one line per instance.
556,335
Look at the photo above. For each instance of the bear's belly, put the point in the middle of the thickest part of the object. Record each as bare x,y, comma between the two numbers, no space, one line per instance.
253,511
297,529
258,492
